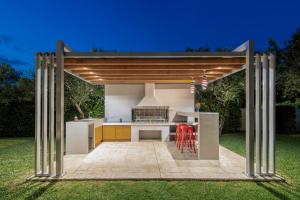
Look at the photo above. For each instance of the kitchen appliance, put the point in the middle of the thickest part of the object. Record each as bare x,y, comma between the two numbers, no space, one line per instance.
150,109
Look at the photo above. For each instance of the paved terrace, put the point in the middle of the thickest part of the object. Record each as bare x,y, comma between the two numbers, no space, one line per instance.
153,160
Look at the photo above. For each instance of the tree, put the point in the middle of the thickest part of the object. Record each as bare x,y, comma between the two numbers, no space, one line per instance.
225,96
14,86
281,68
292,61
200,49
288,68
16,102
86,98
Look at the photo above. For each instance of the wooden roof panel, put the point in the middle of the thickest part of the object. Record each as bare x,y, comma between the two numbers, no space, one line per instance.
101,68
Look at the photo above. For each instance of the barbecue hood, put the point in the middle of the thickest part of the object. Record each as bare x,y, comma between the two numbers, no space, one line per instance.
149,99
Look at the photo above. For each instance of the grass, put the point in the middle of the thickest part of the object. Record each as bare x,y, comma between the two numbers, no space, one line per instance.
16,163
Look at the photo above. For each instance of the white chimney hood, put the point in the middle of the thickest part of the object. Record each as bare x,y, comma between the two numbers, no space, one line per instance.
149,98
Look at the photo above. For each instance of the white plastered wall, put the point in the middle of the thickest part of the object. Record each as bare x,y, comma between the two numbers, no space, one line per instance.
120,98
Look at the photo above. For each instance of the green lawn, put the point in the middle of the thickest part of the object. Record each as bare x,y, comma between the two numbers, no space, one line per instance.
16,163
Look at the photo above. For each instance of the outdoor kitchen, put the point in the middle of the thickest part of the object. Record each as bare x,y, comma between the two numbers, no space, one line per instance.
137,112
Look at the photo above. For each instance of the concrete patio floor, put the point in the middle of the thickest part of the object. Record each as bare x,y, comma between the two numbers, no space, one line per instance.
152,160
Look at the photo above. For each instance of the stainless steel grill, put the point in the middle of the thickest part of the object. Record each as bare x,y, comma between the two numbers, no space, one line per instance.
150,114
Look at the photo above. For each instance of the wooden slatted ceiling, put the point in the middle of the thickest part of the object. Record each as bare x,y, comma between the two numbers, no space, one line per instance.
118,69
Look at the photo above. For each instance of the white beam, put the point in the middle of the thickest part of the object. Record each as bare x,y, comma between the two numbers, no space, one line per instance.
45,117
59,108
153,54
272,114
38,115
258,113
51,115
242,47
265,106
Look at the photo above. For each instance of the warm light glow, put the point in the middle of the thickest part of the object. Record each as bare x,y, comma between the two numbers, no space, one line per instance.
204,82
192,87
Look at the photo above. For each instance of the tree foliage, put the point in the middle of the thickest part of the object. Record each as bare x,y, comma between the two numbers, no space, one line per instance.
16,103
288,68
14,86
292,61
225,96
83,99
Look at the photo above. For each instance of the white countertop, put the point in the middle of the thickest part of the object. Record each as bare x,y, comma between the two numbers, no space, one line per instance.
143,123
117,123
137,123
196,114
87,120
100,122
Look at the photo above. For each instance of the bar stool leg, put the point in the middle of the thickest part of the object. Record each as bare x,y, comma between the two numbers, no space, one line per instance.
193,140
182,140
178,139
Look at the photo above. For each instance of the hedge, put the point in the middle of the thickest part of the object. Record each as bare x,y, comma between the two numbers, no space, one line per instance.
17,119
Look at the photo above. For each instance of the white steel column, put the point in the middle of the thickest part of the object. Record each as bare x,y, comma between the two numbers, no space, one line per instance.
38,115
59,108
265,106
258,113
272,128
51,114
250,116
45,116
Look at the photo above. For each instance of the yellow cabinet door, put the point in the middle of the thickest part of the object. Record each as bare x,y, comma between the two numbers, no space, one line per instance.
109,132
98,135
123,132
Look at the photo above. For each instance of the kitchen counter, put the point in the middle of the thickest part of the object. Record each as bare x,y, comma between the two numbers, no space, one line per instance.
144,123
80,135
163,128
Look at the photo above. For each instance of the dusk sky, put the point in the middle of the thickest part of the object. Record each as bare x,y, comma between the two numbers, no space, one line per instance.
31,26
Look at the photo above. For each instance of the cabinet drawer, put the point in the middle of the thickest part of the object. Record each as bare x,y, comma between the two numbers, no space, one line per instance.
123,132
109,132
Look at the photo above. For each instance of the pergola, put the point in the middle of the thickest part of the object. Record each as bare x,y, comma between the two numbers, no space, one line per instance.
130,68
102,67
